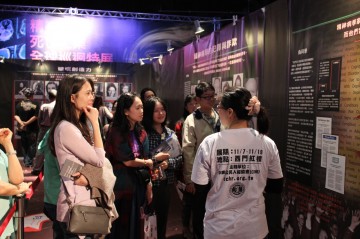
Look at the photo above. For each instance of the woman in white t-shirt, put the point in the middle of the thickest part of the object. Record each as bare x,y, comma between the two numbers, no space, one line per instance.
239,162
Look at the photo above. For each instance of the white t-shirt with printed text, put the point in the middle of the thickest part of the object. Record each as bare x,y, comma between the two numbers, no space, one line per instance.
237,162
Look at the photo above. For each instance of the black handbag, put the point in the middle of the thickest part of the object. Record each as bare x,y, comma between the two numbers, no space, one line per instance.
143,175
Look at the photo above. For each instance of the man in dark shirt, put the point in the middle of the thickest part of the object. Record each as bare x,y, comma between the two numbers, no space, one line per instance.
26,113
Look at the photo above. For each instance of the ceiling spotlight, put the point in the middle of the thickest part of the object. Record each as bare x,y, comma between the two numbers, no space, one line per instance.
235,18
160,59
169,47
141,62
198,28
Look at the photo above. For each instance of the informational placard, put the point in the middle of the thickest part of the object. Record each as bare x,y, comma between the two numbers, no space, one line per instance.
330,144
323,126
335,172
228,58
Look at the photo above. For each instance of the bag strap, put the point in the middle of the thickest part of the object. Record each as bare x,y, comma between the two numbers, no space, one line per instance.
68,201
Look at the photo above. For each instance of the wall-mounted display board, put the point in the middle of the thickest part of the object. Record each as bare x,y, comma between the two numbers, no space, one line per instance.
323,129
226,58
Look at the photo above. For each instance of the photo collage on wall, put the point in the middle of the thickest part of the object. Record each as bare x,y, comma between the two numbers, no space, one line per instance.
109,87
221,85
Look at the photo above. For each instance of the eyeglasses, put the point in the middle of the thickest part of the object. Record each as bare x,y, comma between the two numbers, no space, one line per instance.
219,107
210,97
88,93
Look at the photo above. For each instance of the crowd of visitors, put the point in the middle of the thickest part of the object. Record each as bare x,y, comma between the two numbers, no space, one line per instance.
135,142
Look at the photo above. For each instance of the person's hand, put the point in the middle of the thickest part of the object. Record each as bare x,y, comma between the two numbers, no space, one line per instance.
355,219
162,156
80,179
149,163
190,188
254,106
149,193
285,213
21,123
23,187
5,136
164,164
92,114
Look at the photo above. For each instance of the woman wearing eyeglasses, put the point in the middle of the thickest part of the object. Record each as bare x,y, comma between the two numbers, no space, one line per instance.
238,162
72,139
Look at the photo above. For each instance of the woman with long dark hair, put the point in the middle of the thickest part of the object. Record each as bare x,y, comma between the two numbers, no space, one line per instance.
127,148
71,139
155,114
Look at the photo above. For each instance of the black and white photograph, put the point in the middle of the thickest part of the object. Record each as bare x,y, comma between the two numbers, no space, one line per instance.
125,88
20,86
251,85
109,105
99,89
50,85
216,82
112,90
225,85
38,87
238,80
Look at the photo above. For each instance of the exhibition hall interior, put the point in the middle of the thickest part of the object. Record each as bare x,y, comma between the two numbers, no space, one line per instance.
180,119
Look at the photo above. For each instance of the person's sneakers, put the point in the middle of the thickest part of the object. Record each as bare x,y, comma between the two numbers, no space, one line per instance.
35,172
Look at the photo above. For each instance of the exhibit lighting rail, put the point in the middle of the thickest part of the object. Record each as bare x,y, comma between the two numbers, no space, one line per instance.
100,13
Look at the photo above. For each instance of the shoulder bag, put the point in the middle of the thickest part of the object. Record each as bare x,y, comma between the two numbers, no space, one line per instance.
85,220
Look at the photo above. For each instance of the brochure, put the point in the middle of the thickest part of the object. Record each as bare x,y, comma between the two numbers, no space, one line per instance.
170,145
69,168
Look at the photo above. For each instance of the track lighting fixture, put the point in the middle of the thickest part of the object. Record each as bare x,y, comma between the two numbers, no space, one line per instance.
216,23
198,28
141,60
151,58
235,18
169,47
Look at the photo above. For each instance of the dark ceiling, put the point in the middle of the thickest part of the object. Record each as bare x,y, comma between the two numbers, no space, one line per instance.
219,9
